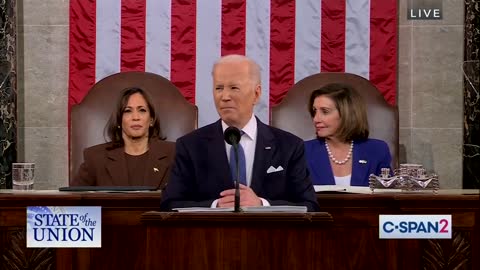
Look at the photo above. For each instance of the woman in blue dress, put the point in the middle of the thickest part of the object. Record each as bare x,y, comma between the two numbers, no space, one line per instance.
342,154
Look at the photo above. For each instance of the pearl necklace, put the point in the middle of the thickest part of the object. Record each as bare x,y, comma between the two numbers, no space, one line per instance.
339,162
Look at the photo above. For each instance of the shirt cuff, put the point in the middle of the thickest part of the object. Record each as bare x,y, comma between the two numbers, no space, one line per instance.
264,202
214,204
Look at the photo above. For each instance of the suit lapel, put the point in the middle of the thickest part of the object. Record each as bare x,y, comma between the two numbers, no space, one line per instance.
219,169
264,152
116,167
325,171
156,166
359,170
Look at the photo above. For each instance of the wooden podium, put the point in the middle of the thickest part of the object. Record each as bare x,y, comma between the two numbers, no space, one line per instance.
236,240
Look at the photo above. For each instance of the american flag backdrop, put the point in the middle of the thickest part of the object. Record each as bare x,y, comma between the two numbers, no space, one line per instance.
180,40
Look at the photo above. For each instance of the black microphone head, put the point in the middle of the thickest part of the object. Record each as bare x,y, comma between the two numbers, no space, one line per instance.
232,135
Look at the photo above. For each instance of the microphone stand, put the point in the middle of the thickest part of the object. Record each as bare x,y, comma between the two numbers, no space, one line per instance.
237,185
232,136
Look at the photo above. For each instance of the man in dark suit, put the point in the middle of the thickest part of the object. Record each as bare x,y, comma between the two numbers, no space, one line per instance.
275,167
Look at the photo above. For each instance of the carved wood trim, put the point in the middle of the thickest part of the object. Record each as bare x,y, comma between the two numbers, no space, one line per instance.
448,254
18,256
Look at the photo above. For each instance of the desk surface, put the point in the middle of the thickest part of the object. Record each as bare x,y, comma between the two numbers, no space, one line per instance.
363,191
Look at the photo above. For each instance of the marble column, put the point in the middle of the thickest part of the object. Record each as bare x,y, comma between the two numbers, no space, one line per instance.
8,93
471,116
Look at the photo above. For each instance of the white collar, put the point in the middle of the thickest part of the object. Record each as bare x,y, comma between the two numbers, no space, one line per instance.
250,128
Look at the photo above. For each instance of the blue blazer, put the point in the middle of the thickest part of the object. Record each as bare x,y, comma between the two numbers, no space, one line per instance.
368,157
201,169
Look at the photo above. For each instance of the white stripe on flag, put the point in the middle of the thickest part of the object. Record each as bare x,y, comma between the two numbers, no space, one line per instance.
357,37
107,54
209,14
158,36
257,36
307,38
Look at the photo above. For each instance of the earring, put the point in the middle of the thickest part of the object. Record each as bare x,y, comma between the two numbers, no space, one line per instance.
119,127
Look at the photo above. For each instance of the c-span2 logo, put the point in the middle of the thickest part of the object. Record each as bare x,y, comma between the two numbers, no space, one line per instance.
57,226
415,226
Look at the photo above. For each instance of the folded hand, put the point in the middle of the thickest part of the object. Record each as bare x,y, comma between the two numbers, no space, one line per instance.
247,197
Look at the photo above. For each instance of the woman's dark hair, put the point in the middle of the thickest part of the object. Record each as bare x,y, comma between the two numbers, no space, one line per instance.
114,125
350,106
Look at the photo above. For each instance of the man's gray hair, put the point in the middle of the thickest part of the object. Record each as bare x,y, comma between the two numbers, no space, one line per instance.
254,68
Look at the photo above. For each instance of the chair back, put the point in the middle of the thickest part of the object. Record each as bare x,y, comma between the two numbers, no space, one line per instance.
292,113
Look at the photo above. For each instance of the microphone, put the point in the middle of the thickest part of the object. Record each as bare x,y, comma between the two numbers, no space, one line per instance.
232,136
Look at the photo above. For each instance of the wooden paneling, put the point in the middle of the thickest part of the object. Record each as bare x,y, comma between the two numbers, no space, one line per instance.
236,240
123,235
253,242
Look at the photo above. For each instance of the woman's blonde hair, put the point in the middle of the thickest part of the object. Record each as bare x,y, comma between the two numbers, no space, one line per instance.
351,108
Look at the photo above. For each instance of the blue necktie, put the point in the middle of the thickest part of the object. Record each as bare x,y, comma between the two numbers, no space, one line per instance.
241,163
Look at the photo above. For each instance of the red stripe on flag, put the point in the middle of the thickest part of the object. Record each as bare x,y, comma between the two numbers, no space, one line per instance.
81,49
282,49
333,36
183,47
383,47
233,27
133,35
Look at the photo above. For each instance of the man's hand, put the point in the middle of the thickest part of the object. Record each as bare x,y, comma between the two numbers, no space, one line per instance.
247,197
